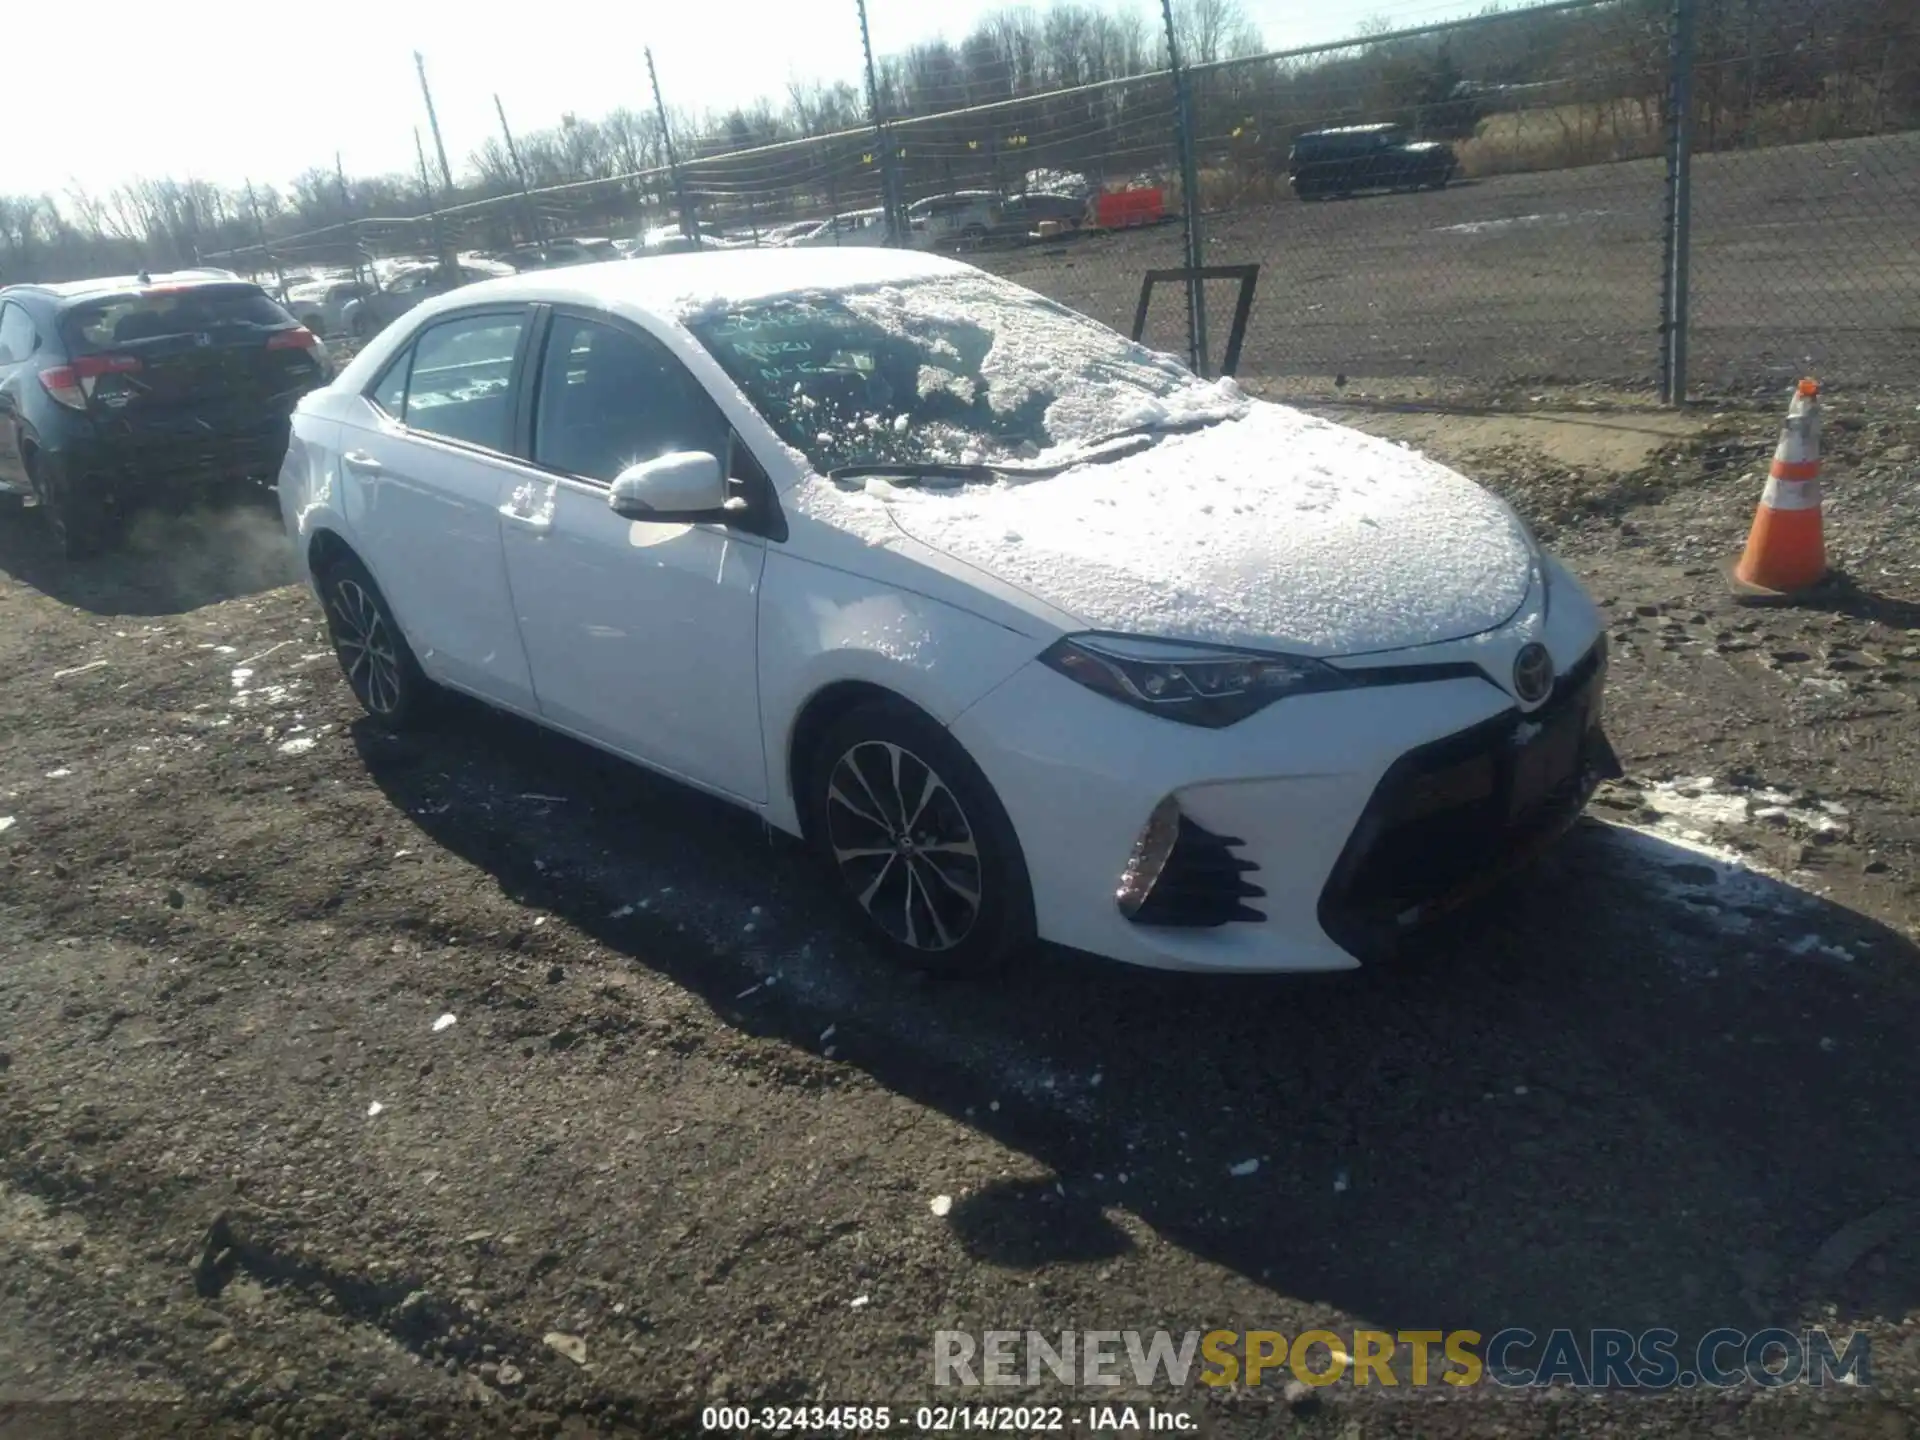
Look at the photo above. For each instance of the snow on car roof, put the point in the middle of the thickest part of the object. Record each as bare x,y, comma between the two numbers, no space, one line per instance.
678,284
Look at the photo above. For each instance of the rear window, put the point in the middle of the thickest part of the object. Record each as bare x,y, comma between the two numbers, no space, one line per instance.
100,324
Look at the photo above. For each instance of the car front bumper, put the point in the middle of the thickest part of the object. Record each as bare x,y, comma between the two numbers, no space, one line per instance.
1318,834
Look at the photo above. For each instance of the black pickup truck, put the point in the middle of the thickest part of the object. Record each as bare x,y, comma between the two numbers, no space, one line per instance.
1366,157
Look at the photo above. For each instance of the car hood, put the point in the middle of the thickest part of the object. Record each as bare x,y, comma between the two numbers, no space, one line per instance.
1276,530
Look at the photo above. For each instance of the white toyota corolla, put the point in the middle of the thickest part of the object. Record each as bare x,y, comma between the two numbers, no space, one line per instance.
1027,629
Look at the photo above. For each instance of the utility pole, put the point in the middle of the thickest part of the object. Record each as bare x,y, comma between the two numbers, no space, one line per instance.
513,155
260,234
1190,183
440,148
689,224
426,189
433,121
883,148
346,208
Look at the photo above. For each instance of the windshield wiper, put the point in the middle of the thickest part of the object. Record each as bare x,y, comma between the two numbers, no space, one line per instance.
1154,429
980,474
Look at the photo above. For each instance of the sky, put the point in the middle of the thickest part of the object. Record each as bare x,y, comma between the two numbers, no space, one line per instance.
234,90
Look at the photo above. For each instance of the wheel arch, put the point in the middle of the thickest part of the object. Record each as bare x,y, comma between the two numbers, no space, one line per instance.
325,548
818,715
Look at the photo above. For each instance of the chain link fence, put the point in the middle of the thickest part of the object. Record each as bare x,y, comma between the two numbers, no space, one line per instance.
1565,244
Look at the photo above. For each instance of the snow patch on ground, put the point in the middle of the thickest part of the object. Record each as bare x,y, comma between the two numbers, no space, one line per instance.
1516,222
1722,886
1693,809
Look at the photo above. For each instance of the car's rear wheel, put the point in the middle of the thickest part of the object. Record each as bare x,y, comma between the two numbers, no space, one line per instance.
917,841
374,656
78,515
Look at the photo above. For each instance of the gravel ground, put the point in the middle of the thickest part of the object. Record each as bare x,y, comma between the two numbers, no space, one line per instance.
683,1137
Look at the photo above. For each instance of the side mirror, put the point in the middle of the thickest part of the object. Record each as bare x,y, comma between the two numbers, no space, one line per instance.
687,487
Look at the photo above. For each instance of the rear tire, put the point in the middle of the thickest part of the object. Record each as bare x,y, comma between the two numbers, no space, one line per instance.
79,517
919,846
375,658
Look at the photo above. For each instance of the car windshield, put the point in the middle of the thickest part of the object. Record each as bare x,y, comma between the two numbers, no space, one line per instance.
961,369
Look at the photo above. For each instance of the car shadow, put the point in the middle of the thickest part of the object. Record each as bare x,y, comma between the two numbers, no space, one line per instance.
165,563
1649,1088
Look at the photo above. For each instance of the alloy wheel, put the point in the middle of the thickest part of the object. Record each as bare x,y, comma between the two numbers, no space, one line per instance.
365,646
904,846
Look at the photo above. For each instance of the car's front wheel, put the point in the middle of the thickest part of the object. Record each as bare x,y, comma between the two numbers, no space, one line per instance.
917,841
374,656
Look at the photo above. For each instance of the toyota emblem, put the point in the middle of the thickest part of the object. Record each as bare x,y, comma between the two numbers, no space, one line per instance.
1532,673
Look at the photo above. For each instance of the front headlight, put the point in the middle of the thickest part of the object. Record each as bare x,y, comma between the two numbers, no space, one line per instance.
1536,556
1194,684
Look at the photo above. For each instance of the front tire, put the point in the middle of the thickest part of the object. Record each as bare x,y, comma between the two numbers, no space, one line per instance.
379,665
919,845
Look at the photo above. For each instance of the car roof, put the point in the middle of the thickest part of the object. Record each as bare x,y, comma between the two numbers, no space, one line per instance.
116,284
668,284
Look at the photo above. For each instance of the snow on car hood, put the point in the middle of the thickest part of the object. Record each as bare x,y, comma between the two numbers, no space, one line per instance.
1277,530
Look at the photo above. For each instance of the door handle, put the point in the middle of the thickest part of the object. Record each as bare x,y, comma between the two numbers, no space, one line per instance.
360,460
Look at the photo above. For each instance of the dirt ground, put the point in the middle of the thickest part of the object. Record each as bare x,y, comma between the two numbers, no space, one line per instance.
683,1137
1803,259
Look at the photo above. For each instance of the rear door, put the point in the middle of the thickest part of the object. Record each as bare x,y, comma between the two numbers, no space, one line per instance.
18,340
187,361
424,468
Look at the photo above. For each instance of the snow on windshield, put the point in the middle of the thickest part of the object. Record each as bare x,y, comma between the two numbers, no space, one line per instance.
964,369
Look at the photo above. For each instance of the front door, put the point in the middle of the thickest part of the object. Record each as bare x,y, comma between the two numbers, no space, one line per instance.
640,636
424,473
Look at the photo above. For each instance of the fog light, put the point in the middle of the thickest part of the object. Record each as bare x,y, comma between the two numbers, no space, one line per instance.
1149,857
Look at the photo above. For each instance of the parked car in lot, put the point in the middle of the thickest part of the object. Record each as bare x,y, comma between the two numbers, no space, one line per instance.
962,220
1366,157
855,228
671,240
116,393
371,313
1028,631
1023,215
778,235
321,305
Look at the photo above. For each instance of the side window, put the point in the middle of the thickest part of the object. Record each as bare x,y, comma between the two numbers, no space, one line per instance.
461,384
16,334
610,398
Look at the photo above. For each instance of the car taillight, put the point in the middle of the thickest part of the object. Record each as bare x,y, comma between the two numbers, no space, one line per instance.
298,338
71,385
63,387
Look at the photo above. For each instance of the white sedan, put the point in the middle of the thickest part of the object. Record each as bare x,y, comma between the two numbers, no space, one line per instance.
1027,630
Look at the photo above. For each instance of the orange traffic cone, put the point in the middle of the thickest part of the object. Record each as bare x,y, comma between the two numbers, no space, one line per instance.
1786,549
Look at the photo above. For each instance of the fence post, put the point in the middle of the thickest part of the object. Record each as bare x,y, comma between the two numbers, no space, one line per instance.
1190,198
1679,217
689,222
883,143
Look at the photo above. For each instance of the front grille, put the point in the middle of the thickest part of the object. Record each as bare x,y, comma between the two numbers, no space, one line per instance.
1451,818
1203,884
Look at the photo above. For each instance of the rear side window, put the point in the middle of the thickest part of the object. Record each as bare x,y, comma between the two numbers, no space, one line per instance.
460,383
108,321
17,337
